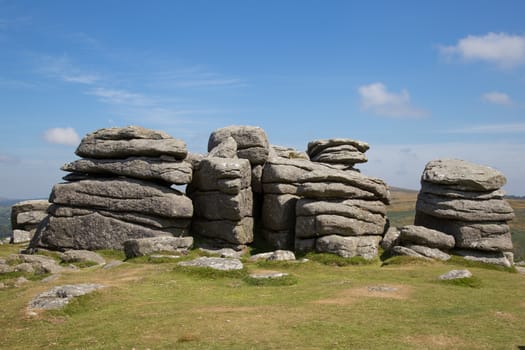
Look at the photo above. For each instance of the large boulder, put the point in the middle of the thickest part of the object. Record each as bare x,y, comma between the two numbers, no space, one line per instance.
338,151
347,247
130,141
419,235
146,246
252,142
232,232
223,206
123,195
166,169
463,175
221,174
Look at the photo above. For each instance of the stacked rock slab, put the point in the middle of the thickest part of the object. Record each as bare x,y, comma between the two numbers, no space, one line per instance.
227,187
336,211
278,207
25,218
120,190
341,153
420,242
464,200
223,201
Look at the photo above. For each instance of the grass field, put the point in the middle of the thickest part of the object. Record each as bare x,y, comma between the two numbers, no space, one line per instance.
399,305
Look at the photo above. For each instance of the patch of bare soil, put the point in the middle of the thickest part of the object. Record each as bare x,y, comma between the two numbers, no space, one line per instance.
349,296
433,341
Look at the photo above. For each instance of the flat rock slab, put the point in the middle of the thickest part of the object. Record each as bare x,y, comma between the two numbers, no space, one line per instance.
221,264
455,274
382,289
420,235
58,297
278,255
146,246
223,252
72,256
268,275
463,175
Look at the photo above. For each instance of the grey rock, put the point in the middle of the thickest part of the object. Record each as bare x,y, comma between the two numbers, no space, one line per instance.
147,246
322,181
21,236
369,211
40,263
495,258
226,149
278,212
343,154
24,267
382,289
36,205
72,256
317,146
488,236
451,192
391,238
92,232
464,209
268,275
20,281
123,195
323,225
463,175
455,274
278,255
400,250
420,235
224,252
234,232
134,218
222,206
58,297
432,253
30,218
347,247
130,141
221,174
252,142
222,264
166,169
194,159
287,152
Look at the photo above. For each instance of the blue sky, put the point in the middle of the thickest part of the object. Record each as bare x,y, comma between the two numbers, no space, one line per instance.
417,80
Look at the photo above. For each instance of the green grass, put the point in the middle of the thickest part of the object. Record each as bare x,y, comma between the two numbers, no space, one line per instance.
470,282
288,280
162,306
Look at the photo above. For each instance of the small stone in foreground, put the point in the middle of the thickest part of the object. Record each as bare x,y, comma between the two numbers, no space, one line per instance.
221,264
58,297
72,256
278,255
145,246
455,274
268,275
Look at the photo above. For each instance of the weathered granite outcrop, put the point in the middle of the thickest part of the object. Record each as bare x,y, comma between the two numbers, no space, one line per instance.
121,191
25,218
464,200
223,200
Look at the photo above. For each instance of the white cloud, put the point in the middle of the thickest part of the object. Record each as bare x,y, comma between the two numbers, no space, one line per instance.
498,98
114,96
377,99
512,128
62,136
502,49
61,68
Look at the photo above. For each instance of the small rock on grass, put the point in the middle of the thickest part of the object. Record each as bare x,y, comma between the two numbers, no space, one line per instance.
268,275
455,274
222,264
58,297
278,255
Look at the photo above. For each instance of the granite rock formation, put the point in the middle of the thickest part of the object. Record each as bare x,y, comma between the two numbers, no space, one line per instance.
465,200
25,218
121,190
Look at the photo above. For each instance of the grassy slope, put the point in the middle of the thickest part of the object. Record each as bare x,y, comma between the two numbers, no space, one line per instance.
156,306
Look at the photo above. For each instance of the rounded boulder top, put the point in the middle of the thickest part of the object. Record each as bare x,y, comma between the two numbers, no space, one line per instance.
128,133
463,175
314,147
